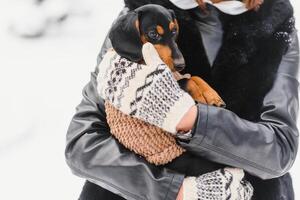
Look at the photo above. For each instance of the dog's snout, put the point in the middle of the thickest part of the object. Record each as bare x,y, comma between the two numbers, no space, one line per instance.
178,60
179,64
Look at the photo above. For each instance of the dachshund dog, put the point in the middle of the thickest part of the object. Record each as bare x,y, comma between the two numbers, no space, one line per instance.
158,25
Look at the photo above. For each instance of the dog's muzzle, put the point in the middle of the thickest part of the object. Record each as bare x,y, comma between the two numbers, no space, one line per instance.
178,60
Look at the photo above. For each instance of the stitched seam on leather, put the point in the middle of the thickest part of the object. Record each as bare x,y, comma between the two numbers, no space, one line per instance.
235,157
108,183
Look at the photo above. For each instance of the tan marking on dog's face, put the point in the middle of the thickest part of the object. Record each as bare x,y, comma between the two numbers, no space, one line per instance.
137,25
160,30
176,25
144,40
172,26
165,54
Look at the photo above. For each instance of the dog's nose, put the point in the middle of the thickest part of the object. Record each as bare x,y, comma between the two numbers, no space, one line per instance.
179,64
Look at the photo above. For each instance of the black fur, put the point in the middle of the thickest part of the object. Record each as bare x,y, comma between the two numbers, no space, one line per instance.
125,37
243,72
127,31
252,49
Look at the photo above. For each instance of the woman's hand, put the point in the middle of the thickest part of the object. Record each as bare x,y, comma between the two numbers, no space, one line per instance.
180,194
188,120
253,4
250,4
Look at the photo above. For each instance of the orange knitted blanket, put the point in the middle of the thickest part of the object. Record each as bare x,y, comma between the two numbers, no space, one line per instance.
156,145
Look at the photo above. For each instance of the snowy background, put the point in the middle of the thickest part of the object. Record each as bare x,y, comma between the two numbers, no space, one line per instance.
40,83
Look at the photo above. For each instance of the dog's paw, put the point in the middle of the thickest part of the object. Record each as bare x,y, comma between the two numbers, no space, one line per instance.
203,93
212,98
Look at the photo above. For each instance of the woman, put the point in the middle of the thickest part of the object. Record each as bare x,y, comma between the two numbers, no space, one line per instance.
252,61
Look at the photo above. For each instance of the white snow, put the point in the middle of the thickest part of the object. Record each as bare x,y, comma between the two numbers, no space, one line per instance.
40,84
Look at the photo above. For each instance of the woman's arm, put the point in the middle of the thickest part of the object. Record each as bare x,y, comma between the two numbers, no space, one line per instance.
267,148
92,153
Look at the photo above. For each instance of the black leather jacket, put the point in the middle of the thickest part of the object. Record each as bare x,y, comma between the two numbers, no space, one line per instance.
266,149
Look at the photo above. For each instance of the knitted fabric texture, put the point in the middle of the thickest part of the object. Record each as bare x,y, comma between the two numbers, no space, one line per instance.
149,93
140,101
154,144
223,184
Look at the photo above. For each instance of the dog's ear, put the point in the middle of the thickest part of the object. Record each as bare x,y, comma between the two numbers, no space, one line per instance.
125,37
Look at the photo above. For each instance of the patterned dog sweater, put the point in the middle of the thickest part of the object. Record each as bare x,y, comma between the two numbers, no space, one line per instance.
149,93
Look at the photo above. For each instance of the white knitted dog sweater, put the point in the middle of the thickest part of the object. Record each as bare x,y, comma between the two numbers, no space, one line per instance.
148,92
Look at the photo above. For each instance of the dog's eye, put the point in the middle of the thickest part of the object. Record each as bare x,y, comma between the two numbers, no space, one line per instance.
154,35
174,31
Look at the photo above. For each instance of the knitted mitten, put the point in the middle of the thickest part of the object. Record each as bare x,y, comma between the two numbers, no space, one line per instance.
223,184
148,92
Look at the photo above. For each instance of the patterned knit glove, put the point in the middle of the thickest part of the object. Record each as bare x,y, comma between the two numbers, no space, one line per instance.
223,184
148,92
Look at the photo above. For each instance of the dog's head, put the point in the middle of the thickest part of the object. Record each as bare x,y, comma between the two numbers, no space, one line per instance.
149,23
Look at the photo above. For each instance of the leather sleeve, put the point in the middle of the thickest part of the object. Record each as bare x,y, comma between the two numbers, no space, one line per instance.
267,148
94,154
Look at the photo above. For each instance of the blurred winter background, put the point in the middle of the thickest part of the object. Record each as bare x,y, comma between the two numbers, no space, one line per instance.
41,77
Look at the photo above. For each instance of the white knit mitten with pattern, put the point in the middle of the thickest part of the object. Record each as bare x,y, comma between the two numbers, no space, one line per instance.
223,184
148,92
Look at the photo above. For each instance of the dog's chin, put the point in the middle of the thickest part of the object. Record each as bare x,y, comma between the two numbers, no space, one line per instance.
175,68
169,62
179,67
172,68
179,64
